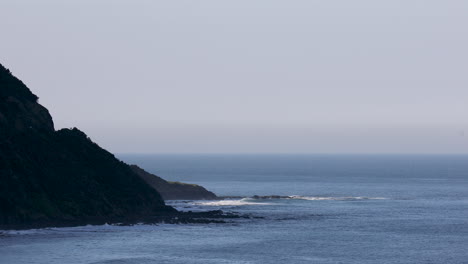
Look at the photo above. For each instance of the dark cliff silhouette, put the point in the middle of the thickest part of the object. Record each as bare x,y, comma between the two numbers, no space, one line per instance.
57,177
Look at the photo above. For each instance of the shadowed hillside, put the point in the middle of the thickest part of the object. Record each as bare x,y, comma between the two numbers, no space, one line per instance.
50,176
174,190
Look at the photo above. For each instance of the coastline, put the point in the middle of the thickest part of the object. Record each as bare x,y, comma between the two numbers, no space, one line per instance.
176,217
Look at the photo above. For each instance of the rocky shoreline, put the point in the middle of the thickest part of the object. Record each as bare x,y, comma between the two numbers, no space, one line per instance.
177,217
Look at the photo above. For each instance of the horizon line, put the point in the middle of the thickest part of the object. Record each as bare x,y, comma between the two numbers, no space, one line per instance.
294,153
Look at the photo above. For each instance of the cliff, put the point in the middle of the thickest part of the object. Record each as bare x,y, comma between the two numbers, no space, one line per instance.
59,177
174,190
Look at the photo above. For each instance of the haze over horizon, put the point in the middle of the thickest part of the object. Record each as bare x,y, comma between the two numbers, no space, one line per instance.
248,76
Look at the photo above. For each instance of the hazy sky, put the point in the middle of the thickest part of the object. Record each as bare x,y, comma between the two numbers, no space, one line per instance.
315,76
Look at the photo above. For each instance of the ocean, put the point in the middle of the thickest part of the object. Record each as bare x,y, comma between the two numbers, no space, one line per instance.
332,209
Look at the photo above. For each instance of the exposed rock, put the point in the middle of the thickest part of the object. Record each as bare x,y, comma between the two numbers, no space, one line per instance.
174,190
270,197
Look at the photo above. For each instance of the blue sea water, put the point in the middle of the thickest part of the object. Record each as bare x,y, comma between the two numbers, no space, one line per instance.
341,209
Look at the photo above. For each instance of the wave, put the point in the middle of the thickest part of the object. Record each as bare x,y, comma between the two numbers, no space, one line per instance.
321,198
260,200
243,201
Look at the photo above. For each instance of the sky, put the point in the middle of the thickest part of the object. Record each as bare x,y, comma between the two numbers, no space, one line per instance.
247,76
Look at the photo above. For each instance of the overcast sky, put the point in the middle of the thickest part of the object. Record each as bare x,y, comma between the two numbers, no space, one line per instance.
257,76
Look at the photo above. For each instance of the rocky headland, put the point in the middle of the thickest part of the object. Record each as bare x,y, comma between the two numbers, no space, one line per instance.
62,178
174,190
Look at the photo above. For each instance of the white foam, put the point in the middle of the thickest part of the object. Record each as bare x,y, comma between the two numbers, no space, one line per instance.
321,198
240,202
253,201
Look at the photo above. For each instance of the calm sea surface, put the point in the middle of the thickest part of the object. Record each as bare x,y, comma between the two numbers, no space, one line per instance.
342,209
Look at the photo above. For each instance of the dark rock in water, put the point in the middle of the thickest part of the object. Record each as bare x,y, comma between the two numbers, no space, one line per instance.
270,197
58,178
207,217
174,190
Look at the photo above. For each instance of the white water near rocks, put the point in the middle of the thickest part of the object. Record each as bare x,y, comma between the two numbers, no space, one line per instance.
308,209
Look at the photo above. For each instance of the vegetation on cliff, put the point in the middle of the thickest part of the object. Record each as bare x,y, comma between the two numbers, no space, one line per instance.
174,190
49,176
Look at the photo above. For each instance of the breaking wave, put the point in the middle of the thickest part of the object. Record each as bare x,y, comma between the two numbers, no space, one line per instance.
320,198
244,201
269,200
